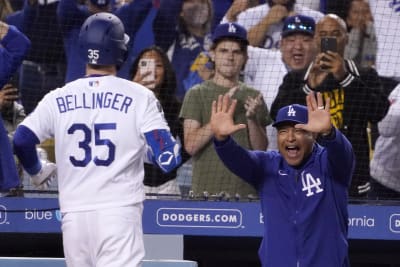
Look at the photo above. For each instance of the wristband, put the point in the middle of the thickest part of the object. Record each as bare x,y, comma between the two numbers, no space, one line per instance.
330,134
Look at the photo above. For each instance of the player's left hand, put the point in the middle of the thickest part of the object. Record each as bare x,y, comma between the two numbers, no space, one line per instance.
319,118
221,122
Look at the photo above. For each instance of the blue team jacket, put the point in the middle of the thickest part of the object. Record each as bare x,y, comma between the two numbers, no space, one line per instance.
304,209
13,47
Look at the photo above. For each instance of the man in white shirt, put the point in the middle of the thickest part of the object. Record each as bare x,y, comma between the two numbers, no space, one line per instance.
384,166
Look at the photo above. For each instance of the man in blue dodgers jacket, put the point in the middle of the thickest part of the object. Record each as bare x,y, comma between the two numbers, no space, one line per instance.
303,187
14,45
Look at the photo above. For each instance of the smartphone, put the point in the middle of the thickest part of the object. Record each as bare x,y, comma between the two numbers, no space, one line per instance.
328,44
146,65
14,81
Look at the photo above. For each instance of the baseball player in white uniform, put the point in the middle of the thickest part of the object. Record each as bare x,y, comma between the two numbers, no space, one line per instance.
102,126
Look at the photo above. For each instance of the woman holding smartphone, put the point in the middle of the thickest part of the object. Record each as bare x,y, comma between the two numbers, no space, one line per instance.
153,70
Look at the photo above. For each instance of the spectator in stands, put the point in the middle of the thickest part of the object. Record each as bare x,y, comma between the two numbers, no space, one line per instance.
71,16
355,93
265,22
163,85
229,55
44,67
183,29
313,4
14,45
266,68
237,7
385,164
5,9
386,21
17,4
12,112
222,6
362,45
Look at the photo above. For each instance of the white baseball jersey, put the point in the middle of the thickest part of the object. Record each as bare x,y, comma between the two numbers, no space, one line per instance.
386,15
384,166
98,124
265,71
254,15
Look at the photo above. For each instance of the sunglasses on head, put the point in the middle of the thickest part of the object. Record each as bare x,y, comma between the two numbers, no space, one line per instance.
299,26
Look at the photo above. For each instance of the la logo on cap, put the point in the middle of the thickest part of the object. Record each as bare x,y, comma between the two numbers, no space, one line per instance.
231,28
291,112
297,20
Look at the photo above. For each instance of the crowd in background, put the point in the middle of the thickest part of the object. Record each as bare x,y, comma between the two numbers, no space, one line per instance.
178,36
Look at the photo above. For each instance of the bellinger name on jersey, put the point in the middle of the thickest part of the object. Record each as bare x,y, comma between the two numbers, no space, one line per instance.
95,100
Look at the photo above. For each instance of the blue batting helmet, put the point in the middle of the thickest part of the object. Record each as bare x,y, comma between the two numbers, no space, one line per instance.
102,40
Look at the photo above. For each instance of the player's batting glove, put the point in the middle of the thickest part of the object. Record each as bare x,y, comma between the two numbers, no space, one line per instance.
45,176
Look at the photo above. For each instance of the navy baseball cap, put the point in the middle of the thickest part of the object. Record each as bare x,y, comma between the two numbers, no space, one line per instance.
298,24
100,3
293,113
230,30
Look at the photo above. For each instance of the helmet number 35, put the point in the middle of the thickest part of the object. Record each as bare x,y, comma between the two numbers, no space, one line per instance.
93,54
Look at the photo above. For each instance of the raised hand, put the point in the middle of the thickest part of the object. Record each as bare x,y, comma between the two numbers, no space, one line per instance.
319,117
333,62
8,94
221,122
236,8
253,105
277,13
317,75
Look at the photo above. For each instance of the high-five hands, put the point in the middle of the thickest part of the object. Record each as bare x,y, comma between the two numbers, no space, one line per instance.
319,117
221,122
